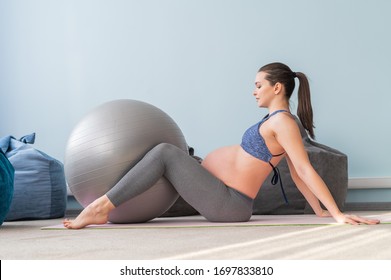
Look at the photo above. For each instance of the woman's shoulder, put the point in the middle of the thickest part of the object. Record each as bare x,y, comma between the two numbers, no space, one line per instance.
284,122
283,118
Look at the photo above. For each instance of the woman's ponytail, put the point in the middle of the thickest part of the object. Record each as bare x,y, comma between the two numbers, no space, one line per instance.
304,108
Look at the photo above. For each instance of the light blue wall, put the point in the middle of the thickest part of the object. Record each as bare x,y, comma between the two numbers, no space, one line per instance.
197,60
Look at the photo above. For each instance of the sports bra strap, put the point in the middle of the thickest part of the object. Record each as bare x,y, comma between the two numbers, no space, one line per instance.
276,112
278,154
277,177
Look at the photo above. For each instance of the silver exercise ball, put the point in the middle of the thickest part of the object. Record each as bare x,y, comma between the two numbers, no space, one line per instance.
109,141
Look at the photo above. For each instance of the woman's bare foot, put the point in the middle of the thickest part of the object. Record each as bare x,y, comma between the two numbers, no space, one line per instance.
95,213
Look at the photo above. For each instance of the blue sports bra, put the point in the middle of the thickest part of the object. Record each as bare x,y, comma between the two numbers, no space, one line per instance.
254,144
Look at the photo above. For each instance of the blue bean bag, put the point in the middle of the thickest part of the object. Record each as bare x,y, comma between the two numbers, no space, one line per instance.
6,185
39,185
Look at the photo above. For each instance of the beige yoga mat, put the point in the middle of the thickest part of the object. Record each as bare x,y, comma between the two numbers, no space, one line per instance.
256,220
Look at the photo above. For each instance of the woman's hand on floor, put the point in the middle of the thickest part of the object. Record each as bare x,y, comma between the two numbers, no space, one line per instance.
355,220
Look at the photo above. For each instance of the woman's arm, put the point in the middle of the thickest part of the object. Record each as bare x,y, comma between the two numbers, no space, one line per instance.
288,136
306,192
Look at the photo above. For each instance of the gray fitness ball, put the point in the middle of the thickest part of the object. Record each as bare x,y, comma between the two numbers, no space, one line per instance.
109,141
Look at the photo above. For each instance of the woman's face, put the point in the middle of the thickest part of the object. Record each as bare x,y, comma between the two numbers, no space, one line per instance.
263,91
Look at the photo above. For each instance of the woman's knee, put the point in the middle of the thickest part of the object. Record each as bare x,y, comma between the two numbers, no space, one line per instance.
164,148
165,151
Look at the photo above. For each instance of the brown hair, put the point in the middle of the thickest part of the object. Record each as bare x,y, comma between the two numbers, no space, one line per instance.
281,73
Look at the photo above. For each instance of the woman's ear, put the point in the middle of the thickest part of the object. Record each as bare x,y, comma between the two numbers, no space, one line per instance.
277,88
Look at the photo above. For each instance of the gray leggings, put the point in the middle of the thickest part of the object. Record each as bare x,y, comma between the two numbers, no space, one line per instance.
206,193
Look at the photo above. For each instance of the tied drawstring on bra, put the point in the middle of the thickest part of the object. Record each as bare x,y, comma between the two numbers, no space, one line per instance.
277,177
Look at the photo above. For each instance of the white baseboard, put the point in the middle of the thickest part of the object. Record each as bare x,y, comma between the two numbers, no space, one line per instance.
369,183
